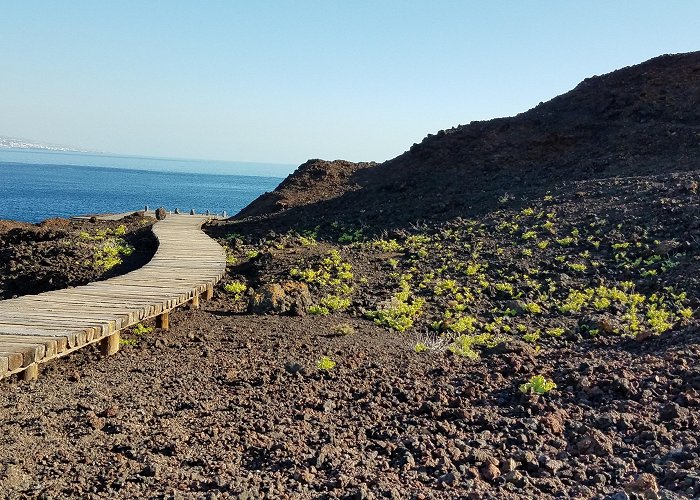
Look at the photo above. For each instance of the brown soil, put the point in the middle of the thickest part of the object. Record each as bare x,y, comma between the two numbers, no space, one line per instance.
59,253
562,243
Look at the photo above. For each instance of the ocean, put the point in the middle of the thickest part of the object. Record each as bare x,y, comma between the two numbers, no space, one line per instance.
38,185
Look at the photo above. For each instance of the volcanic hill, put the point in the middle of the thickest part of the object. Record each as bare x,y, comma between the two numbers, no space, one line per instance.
642,119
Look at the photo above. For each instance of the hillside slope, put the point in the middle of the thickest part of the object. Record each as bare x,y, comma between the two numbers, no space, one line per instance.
638,120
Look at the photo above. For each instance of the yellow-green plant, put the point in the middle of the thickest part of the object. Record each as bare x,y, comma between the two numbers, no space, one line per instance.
317,310
140,329
344,329
235,288
445,286
659,318
325,364
335,303
463,324
401,309
463,345
531,337
555,332
108,253
387,245
576,300
537,385
420,347
685,312
531,307
565,241
398,314
330,271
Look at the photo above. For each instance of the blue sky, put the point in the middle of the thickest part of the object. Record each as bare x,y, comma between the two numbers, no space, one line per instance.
283,81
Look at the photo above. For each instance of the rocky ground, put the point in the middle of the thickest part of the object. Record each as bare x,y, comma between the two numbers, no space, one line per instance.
59,253
233,403
432,327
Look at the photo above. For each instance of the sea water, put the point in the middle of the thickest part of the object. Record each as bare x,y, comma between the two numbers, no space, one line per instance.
37,186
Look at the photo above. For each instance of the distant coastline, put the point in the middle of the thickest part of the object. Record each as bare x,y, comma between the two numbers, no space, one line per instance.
18,143
34,156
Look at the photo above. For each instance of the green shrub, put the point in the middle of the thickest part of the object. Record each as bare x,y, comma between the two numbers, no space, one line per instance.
463,324
464,345
140,329
325,364
235,288
344,329
335,303
388,246
398,314
420,347
317,310
537,385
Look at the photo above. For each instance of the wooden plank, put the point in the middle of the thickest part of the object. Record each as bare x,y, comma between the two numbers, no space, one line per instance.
31,353
78,318
55,323
54,345
72,337
47,324
50,318
47,319
91,316
163,321
14,360
88,310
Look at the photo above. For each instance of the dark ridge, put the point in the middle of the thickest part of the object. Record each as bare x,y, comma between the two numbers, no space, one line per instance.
639,120
313,181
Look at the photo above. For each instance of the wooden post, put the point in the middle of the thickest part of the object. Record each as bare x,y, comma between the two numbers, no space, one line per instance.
163,320
209,294
110,345
31,372
195,301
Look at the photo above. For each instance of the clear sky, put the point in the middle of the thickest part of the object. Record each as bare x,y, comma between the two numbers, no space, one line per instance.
287,80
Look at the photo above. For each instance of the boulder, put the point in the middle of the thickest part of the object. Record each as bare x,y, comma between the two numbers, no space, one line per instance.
160,213
645,483
291,297
595,443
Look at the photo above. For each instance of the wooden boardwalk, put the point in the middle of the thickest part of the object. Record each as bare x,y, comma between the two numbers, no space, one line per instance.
37,328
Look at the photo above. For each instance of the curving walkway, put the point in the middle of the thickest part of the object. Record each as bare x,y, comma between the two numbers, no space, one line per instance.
38,328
